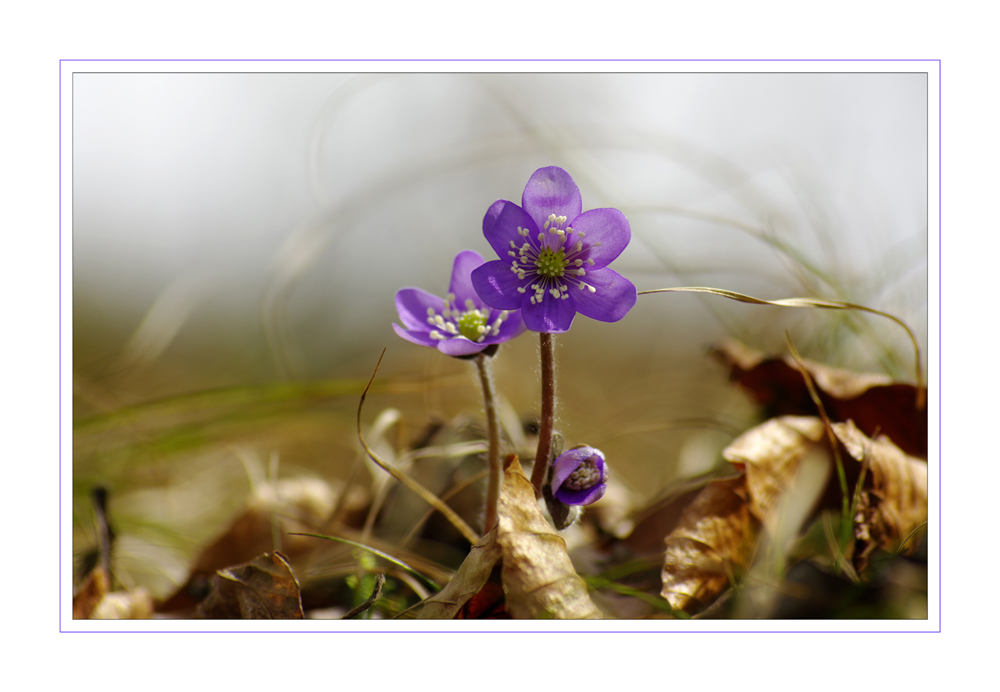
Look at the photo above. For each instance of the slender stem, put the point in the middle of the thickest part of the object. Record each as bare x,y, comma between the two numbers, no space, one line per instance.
540,473
493,429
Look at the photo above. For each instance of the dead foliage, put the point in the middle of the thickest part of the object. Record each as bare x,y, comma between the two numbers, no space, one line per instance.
536,575
875,403
263,589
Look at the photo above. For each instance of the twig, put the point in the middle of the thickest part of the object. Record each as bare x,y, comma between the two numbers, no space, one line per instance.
376,594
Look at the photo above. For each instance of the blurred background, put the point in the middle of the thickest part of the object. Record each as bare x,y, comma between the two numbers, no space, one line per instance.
238,240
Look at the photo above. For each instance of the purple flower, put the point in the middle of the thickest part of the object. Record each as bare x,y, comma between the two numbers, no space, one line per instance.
554,258
459,324
580,476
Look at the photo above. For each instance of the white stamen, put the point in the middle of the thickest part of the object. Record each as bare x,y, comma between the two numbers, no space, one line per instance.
430,312
520,289
435,334
469,305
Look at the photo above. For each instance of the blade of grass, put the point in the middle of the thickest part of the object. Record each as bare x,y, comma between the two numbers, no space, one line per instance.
413,485
810,303
385,556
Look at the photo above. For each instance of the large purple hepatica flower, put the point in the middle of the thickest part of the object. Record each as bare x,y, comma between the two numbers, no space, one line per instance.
459,324
554,259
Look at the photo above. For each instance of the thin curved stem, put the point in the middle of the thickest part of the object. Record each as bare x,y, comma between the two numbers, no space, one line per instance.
493,430
540,473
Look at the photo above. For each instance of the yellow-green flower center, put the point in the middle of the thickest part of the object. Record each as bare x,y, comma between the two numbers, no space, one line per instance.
471,324
551,263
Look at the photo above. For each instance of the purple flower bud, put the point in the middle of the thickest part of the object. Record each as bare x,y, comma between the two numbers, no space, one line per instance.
459,324
580,476
554,257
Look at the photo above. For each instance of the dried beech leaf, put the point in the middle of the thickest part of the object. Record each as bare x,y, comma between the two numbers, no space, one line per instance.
299,505
262,589
538,575
713,542
873,402
91,593
94,602
895,505
771,453
467,582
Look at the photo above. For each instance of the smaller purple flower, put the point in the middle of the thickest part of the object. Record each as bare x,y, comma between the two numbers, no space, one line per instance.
554,256
580,476
459,324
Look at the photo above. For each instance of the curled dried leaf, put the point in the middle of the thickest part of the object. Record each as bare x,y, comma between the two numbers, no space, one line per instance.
537,575
872,401
264,588
894,506
771,454
467,582
711,545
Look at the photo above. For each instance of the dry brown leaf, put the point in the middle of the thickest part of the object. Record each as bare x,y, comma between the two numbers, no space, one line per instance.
262,589
467,582
873,402
771,453
537,574
713,542
93,589
894,504
298,505
94,602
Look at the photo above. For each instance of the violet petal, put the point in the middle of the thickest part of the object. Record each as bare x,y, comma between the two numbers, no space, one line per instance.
497,285
552,315
460,346
419,337
551,190
568,462
509,328
461,283
503,231
610,228
412,304
614,297
581,497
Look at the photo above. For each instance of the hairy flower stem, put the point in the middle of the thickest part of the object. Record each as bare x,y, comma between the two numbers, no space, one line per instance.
542,457
493,430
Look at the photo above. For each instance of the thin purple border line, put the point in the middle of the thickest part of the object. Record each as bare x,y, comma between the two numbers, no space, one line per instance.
665,60
60,351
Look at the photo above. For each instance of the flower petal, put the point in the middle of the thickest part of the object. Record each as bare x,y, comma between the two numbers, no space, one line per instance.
460,346
551,191
568,496
412,304
461,281
568,462
503,230
492,214
497,285
610,228
509,328
614,297
552,315
419,337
